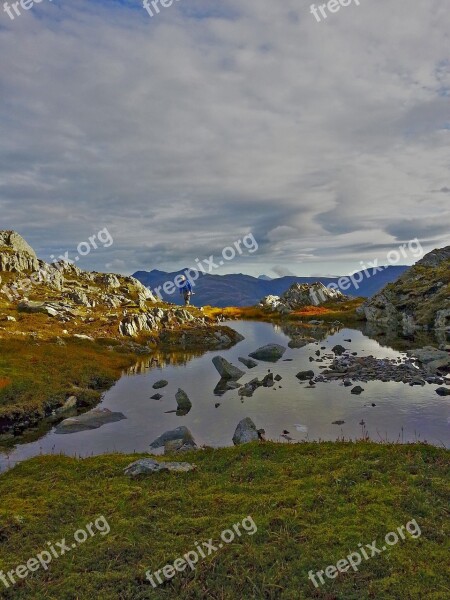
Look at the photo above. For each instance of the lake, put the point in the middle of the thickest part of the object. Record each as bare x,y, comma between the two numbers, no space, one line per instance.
402,413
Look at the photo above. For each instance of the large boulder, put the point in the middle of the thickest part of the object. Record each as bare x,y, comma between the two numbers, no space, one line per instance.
15,254
180,433
269,353
432,358
245,432
226,369
91,420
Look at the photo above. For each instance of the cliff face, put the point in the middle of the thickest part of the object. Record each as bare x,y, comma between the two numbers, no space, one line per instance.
419,299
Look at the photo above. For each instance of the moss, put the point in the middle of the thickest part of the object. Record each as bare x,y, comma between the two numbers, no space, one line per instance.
312,504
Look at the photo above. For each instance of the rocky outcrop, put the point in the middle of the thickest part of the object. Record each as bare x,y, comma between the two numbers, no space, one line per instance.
301,295
16,255
419,299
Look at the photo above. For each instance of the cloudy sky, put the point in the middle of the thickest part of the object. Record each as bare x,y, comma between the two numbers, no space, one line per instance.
184,132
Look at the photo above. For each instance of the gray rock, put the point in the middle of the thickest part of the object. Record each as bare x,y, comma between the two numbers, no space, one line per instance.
148,466
245,432
442,391
178,446
338,350
180,433
156,397
269,353
248,362
226,369
69,404
91,420
357,390
183,401
305,375
160,384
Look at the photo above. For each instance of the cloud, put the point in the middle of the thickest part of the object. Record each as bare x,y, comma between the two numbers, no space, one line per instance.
183,132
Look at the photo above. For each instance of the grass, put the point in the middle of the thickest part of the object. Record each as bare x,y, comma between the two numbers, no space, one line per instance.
37,377
312,504
330,311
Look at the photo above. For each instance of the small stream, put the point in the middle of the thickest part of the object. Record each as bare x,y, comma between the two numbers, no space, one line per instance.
402,413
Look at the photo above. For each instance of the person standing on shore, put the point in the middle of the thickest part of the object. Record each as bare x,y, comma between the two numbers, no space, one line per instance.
186,290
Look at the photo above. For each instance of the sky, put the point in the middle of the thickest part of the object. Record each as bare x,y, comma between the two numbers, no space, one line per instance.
184,132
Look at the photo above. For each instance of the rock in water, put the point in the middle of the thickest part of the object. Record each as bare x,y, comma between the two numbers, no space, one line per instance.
180,433
269,353
338,350
91,420
160,384
245,432
305,375
148,466
442,391
226,369
248,362
357,390
183,400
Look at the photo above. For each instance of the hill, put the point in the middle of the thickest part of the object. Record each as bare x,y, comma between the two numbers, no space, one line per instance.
245,290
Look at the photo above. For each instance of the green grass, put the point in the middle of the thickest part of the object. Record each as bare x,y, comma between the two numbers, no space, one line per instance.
312,504
39,376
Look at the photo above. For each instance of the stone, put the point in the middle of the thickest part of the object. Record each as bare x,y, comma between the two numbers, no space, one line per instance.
156,397
268,380
357,390
148,466
245,432
442,391
269,353
338,350
183,401
305,375
178,446
90,420
248,362
180,433
160,384
226,370
69,404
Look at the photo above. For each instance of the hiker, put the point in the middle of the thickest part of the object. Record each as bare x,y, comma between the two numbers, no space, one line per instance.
186,290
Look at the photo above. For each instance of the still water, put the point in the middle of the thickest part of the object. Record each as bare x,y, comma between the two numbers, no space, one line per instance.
402,413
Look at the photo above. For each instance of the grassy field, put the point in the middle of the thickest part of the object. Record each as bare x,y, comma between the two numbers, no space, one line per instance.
37,377
312,505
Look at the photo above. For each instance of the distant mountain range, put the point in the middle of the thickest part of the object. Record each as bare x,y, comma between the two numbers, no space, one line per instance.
245,290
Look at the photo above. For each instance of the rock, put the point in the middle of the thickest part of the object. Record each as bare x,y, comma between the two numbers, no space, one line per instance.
442,391
338,422
357,390
432,358
45,308
268,380
278,378
80,336
305,375
248,362
91,420
148,466
180,433
245,432
178,446
156,397
226,369
269,353
69,404
160,384
16,256
300,295
183,401
338,350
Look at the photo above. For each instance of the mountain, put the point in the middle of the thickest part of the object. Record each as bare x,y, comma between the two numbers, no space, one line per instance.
419,299
245,290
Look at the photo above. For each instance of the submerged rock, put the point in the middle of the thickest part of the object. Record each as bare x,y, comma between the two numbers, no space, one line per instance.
442,391
160,384
91,420
248,362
